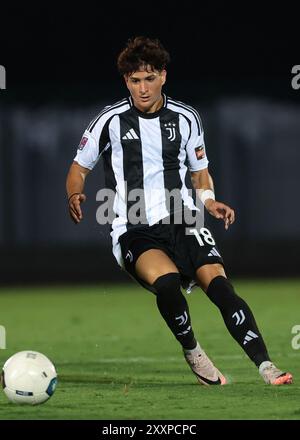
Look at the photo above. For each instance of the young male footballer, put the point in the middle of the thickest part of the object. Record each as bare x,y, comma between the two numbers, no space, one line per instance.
153,146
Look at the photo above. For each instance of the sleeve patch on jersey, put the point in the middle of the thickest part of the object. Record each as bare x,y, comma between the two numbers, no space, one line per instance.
83,141
200,152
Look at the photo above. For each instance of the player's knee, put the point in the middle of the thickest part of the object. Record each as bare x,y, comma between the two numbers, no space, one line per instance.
168,284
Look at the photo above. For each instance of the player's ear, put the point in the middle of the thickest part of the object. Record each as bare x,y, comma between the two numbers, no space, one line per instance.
126,79
163,76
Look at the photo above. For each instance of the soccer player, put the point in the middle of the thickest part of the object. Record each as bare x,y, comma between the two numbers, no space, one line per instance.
152,145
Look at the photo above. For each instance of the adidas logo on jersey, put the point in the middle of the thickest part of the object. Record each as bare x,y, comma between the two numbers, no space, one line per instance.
214,253
249,336
131,134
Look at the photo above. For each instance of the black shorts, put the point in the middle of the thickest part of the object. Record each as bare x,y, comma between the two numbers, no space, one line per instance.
188,251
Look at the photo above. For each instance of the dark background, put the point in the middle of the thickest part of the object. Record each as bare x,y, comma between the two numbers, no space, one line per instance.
233,65
69,54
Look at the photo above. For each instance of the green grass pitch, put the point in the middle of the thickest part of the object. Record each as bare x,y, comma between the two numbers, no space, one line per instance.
116,358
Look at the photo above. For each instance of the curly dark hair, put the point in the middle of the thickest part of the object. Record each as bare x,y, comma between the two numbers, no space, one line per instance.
142,52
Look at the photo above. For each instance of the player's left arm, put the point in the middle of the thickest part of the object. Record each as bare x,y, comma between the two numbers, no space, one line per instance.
202,181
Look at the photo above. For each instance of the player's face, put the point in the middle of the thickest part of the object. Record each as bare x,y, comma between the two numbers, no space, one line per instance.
145,88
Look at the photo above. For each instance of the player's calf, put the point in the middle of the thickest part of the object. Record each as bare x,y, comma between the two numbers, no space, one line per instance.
174,308
238,319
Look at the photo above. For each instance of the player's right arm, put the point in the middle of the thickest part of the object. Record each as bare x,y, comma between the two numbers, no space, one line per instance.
84,161
75,185
94,142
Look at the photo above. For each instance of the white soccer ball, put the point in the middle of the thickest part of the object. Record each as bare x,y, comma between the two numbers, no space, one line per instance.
28,377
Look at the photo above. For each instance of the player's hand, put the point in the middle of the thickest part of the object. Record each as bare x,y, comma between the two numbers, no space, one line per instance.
221,211
75,208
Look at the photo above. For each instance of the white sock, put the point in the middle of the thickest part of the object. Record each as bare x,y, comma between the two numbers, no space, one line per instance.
194,350
264,365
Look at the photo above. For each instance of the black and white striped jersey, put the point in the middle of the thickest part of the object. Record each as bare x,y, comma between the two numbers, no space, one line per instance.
148,154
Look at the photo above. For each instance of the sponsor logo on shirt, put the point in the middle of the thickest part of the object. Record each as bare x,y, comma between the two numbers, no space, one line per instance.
83,141
200,152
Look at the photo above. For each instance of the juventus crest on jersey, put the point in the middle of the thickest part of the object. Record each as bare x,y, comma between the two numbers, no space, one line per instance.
145,155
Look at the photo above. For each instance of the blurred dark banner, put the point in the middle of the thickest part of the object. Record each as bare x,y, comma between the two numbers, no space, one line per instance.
237,67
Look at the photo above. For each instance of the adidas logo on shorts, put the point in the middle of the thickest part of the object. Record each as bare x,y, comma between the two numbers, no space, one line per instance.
214,253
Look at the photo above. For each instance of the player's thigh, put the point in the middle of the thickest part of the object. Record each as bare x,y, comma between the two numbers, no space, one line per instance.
152,264
206,273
